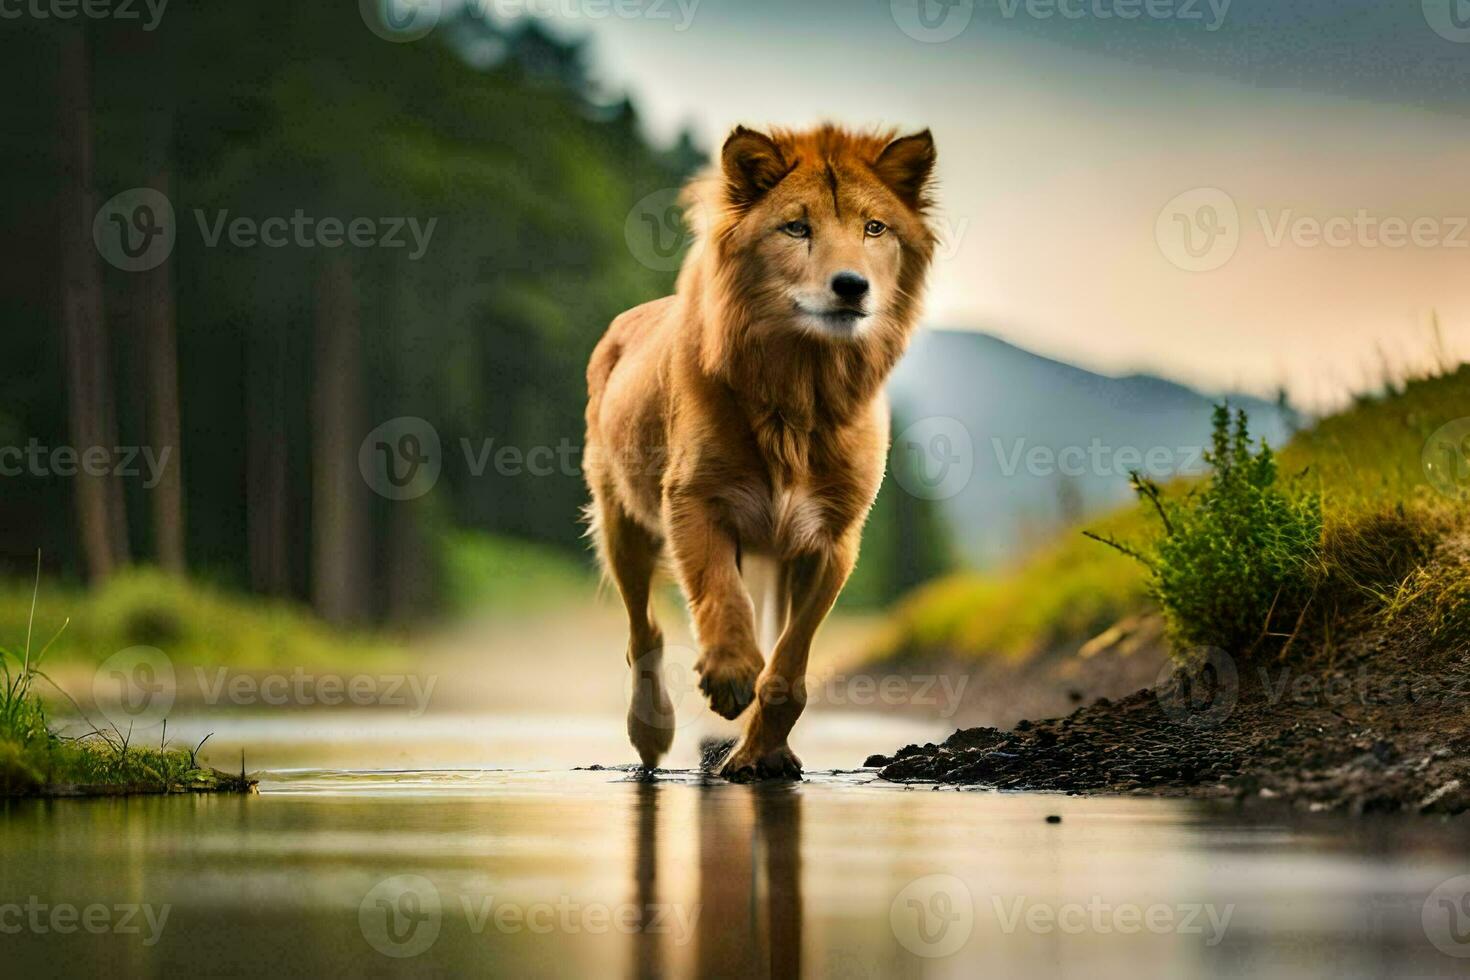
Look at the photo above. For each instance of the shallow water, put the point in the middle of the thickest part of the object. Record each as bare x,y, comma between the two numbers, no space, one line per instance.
463,839
556,871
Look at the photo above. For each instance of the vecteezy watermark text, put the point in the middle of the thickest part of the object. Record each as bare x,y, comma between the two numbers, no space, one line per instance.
670,667
1210,14
402,916
403,458
63,918
136,230
1097,459
937,21
1363,229
680,12
136,688
1364,687
1101,917
304,231
35,459
401,21
1201,229
305,689
89,9
934,916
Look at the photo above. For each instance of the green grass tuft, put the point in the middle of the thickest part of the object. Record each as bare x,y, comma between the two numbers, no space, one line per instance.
34,759
1236,554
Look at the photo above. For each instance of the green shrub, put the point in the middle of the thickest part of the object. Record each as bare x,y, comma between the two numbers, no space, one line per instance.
1238,559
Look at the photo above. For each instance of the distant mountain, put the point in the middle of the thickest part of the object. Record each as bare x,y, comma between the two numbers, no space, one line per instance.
1013,446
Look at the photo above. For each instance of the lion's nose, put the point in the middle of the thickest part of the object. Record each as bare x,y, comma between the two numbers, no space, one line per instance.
849,285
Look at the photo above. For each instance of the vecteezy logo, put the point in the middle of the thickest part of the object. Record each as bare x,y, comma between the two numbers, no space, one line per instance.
400,916
933,916
1450,19
1446,459
1200,688
402,458
135,230
134,688
657,231
932,21
1446,917
1199,230
934,458
400,20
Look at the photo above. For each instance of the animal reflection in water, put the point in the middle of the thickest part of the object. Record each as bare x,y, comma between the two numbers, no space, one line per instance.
749,891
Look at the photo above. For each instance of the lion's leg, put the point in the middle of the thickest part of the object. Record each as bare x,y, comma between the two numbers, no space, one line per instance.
705,552
630,553
814,583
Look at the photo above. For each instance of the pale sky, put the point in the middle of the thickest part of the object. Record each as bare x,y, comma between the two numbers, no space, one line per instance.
1062,139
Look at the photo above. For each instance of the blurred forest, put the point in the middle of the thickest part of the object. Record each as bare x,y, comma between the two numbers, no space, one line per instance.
262,369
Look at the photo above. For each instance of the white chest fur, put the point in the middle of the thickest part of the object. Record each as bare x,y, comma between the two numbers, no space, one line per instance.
798,519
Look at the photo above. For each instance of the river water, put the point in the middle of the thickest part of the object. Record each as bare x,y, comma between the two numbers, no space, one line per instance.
382,847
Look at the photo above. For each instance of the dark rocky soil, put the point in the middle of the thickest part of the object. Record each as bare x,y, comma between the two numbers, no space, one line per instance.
1381,734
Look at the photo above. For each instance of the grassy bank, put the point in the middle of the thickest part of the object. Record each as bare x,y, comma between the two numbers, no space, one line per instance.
1391,548
95,766
196,623
193,623
199,625
36,761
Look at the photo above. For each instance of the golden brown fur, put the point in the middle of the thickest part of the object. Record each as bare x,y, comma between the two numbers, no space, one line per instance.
743,418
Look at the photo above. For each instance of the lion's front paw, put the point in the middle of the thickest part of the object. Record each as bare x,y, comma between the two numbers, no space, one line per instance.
748,763
728,680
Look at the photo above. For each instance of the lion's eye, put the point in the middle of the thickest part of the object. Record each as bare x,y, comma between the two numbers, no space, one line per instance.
875,228
797,229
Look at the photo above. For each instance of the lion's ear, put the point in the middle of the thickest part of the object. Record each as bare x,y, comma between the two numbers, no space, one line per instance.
753,164
907,166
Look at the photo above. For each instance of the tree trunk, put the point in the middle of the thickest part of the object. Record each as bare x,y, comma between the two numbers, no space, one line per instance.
409,572
340,545
164,428
101,520
267,467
